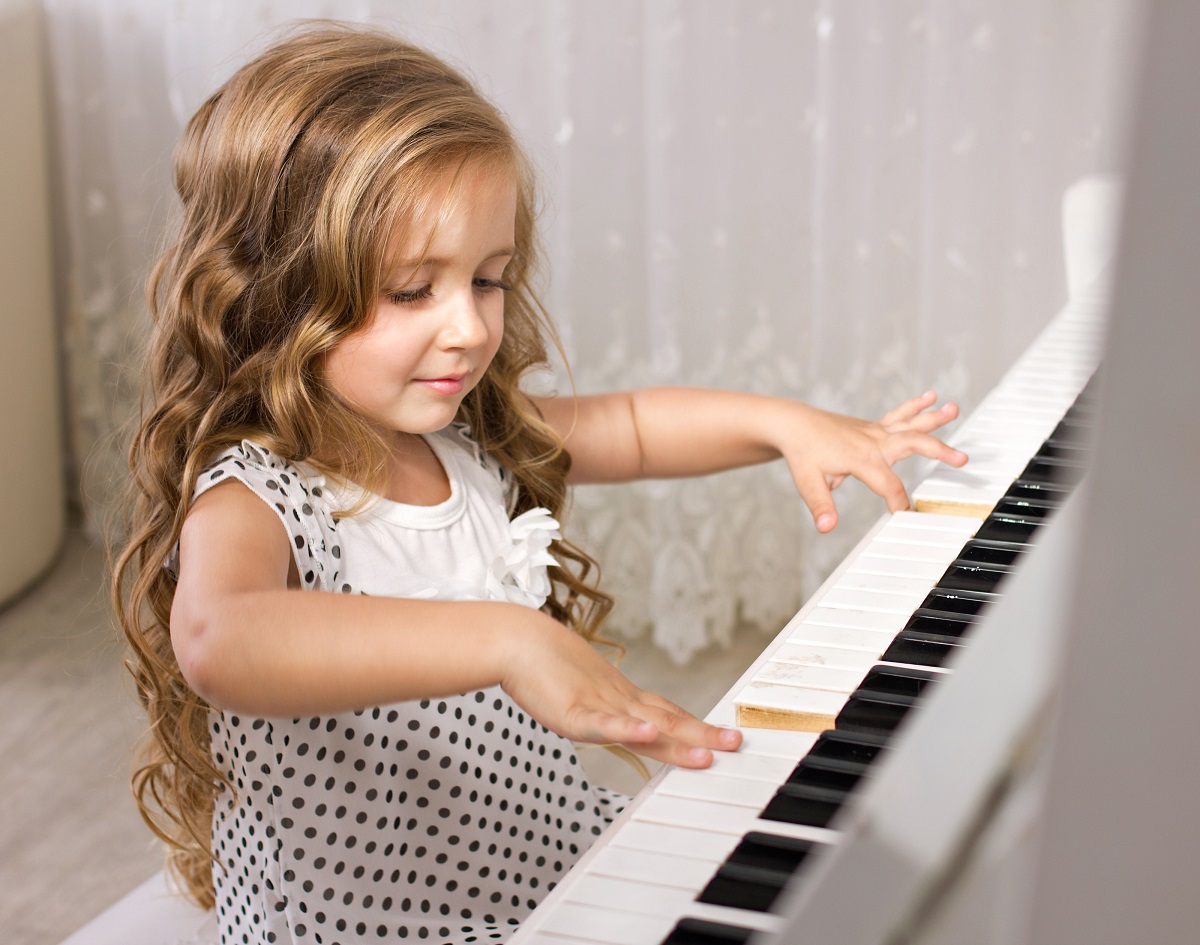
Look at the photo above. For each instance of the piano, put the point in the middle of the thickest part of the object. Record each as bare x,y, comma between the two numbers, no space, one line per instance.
982,727
701,857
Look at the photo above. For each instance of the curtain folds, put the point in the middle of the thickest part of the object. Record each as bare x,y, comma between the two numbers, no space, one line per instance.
846,203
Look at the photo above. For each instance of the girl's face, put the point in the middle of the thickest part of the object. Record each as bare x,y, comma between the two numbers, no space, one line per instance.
440,316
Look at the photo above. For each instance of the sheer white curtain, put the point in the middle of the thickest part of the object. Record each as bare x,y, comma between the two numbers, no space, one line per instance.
845,202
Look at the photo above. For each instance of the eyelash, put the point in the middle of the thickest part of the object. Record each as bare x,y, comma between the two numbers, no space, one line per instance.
410,296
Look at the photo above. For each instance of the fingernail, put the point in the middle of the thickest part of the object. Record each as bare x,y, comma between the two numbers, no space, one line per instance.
824,522
730,738
699,755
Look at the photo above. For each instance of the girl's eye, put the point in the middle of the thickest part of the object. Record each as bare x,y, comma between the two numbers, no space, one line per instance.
408,296
492,284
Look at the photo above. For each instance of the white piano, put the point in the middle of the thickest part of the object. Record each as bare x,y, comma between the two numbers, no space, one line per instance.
674,842
1041,784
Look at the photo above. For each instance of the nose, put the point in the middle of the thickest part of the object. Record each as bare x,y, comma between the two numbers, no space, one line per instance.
464,326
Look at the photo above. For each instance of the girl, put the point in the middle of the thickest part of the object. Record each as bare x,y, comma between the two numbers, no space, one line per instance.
334,406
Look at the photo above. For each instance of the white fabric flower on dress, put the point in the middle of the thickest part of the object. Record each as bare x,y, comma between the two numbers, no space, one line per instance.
518,572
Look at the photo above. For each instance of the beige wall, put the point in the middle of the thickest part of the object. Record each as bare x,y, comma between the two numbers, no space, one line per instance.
31,470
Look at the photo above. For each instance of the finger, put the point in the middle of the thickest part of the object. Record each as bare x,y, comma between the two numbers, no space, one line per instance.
910,408
818,496
930,420
686,729
883,482
673,752
604,728
902,445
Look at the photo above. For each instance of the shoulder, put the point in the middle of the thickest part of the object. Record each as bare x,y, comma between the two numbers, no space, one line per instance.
263,472
294,493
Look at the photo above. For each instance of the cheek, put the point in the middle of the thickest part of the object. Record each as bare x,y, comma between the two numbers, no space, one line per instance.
345,364
495,333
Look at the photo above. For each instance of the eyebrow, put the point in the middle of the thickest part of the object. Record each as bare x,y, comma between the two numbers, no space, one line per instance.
401,265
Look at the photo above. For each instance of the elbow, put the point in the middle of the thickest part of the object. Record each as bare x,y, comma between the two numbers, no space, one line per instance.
196,641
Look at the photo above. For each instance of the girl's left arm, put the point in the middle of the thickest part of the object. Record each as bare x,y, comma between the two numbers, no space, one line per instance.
660,433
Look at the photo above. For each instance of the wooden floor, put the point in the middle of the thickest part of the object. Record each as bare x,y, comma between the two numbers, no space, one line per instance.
71,840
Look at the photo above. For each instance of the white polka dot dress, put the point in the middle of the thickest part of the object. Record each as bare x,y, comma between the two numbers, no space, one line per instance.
443,821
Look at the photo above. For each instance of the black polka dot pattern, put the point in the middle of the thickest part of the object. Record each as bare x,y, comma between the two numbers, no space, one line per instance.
443,821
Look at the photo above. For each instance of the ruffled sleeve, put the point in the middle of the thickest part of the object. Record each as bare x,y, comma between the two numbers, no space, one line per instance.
297,496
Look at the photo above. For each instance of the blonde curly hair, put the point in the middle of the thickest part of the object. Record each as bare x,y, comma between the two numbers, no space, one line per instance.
292,177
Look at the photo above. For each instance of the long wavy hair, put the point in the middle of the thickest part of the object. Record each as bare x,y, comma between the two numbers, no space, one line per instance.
293,177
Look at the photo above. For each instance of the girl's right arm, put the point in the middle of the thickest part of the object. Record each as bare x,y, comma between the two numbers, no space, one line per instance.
248,643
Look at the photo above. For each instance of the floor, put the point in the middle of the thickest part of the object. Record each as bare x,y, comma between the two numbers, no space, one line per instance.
71,840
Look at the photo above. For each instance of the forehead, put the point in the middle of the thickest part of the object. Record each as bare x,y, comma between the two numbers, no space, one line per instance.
462,209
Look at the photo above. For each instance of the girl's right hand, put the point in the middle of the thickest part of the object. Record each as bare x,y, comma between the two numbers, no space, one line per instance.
564,683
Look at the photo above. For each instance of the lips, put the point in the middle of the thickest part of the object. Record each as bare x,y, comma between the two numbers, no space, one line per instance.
448,386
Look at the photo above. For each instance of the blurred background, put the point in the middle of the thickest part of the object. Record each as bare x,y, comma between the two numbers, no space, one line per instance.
847,203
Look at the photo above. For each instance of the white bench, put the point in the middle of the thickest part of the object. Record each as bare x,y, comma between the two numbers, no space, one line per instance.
153,914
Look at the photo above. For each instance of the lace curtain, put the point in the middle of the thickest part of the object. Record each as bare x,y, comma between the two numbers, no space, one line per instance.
843,202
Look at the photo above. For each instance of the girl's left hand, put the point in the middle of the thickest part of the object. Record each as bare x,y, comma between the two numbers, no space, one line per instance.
825,448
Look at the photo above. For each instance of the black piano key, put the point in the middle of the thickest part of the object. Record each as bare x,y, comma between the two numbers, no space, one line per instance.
1069,450
896,682
1053,470
773,852
883,699
704,932
880,717
1071,429
756,871
924,620
970,576
955,602
744,887
846,748
804,804
977,551
1025,508
916,649
1012,528
836,777
1043,491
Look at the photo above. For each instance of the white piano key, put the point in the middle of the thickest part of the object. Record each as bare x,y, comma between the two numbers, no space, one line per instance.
813,704
702,785
605,926
695,844
858,580
919,538
850,598
659,901
794,745
546,938
1016,405
945,523
694,814
850,638
652,867
852,619
809,676
753,767
907,552
878,621
892,566
716,818
805,654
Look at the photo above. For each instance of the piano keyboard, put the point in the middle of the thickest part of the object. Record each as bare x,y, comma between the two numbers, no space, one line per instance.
699,857
1019,414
